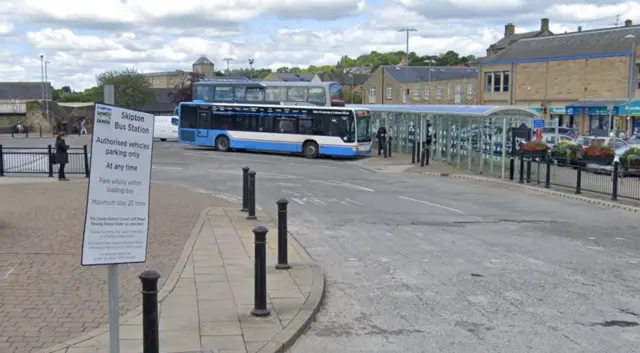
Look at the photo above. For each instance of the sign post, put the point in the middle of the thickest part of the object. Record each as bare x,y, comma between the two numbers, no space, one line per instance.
117,215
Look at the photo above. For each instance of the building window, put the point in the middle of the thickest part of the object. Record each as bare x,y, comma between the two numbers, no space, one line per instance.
505,81
470,91
405,96
488,82
416,93
439,92
389,93
372,95
497,82
427,92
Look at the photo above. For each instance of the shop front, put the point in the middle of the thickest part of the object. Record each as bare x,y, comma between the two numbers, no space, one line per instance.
630,118
594,117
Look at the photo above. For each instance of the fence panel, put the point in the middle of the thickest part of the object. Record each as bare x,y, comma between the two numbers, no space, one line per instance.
28,160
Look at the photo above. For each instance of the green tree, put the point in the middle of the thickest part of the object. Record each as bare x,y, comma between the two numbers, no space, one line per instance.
132,88
184,91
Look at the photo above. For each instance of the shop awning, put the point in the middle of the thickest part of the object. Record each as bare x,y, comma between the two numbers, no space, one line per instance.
633,111
595,107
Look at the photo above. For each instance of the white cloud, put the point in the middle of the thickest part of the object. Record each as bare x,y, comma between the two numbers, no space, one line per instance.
82,39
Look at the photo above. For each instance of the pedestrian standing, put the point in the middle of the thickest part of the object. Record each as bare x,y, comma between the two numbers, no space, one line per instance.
382,138
83,127
62,157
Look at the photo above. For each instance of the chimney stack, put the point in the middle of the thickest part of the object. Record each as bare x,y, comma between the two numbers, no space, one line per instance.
509,29
579,28
628,23
544,24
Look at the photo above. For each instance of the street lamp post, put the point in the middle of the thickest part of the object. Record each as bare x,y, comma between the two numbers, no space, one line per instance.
406,71
632,74
251,61
46,91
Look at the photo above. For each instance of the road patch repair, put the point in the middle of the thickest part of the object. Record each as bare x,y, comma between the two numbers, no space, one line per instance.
50,302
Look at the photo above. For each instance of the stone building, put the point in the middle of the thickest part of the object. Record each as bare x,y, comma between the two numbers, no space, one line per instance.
422,85
170,79
581,78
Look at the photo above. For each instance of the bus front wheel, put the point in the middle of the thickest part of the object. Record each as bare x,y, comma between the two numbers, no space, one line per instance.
222,143
310,149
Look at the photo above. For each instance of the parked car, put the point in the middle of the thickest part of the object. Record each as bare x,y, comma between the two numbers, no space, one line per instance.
550,139
561,131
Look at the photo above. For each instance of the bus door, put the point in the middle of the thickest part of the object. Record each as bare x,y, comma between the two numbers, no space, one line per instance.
204,122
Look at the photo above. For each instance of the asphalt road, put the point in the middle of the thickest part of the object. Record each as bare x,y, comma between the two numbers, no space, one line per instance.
418,264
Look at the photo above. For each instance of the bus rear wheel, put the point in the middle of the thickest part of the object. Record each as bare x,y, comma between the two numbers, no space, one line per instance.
310,149
222,143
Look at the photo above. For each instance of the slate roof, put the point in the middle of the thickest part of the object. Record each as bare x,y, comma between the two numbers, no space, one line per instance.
203,60
24,90
408,74
599,41
344,78
510,39
287,77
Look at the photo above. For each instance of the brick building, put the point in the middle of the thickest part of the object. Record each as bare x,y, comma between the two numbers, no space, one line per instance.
171,79
422,85
581,78
510,36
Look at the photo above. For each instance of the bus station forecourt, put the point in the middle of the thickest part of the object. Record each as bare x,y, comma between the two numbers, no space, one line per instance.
451,265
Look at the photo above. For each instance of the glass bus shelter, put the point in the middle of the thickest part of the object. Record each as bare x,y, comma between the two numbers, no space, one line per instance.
467,136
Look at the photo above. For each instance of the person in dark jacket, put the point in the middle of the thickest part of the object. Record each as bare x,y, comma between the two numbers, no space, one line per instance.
382,138
62,157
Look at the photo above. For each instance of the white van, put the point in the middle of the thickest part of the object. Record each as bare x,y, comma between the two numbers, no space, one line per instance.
165,127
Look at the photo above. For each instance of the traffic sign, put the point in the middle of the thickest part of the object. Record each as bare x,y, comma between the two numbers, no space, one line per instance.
538,124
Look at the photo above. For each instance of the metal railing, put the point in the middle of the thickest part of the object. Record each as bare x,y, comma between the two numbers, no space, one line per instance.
29,160
606,180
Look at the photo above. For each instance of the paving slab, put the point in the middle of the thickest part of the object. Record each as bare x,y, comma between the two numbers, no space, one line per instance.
46,297
208,308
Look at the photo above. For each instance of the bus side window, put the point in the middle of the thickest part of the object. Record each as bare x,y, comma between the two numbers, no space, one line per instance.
188,117
220,121
285,126
265,123
305,126
276,94
244,122
297,94
240,92
254,94
224,93
317,95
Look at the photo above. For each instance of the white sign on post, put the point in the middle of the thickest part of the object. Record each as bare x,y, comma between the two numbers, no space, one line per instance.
117,216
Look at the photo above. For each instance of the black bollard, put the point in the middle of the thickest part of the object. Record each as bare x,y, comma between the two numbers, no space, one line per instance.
424,156
389,144
245,189
528,170
579,179
1,162
614,189
521,180
252,195
51,156
150,339
512,167
260,275
283,262
413,152
85,152
547,178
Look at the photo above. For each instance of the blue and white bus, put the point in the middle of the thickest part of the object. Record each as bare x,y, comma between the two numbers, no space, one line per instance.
311,131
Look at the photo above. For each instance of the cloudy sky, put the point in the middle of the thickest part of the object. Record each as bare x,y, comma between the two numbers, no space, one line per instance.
82,38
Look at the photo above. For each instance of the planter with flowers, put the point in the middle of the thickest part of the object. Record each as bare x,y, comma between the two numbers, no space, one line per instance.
596,154
566,152
534,149
630,160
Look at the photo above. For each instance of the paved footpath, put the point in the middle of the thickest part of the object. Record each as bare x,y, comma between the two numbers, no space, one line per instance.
207,299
